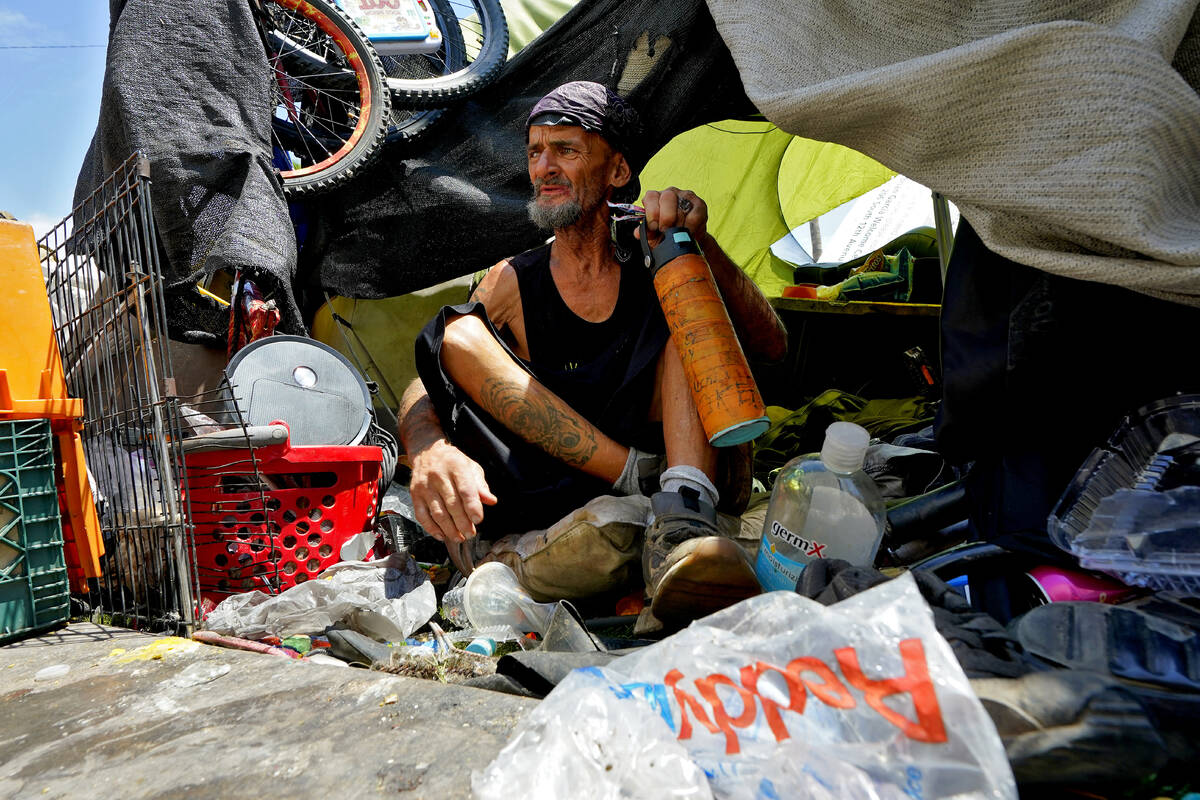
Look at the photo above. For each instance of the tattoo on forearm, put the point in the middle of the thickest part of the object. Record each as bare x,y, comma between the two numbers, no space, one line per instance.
535,418
419,423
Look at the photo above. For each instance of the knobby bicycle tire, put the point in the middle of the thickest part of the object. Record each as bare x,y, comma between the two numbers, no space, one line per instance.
405,126
475,36
321,56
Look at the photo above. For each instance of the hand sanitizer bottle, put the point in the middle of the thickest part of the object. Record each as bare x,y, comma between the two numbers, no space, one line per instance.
825,507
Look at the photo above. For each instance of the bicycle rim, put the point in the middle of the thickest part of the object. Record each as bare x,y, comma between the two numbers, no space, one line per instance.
475,46
328,102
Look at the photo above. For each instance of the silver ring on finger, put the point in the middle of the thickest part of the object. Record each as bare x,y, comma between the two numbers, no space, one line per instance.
685,205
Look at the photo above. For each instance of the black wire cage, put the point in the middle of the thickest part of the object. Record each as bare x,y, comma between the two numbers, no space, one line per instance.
106,297
106,300
186,513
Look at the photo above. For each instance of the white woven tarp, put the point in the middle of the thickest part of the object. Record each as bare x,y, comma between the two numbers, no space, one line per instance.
1066,131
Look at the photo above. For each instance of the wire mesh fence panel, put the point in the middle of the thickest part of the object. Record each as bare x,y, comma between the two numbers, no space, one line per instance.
106,297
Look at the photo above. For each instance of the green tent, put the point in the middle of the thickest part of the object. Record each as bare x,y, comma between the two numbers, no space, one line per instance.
759,183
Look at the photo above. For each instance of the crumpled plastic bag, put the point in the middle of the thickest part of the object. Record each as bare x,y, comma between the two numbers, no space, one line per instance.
777,696
386,600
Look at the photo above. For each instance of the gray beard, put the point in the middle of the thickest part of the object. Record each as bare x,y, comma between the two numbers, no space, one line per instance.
556,217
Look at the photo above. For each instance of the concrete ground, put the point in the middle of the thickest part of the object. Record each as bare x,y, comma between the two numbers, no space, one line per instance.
137,715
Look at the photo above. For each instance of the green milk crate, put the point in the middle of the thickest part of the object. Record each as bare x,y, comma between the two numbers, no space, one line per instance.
34,594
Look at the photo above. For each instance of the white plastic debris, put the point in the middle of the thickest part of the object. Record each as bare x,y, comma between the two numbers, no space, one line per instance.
387,600
777,696
52,673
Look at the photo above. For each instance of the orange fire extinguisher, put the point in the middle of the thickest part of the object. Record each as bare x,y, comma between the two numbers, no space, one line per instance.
727,398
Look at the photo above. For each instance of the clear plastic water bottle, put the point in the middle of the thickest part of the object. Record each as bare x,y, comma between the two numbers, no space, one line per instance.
823,507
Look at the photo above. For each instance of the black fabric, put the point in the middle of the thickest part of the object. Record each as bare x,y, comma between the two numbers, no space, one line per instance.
455,202
200,113
504,684
538,672
1038,369
982,646
1155,656
534,489
901,472
604,370
1069,730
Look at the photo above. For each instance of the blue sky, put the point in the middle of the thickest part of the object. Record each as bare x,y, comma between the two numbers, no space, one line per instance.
50,100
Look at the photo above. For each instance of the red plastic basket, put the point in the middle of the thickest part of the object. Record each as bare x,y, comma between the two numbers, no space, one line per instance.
274,517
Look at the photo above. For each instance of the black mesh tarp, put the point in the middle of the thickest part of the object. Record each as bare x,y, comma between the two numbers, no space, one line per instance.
456,203
188,85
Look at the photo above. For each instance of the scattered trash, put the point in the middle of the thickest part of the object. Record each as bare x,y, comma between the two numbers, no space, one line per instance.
52,673
496,633
301,644
197,674
386,600
492,596
357,546
631,605
355,648
1057,585
199,422
777,696
251,315
448,666
535,673
566,633
483,646
237,643
1133,507
159,649
127,489
320,657
454,609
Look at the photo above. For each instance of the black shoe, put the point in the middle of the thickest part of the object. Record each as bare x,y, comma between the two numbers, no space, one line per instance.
689,568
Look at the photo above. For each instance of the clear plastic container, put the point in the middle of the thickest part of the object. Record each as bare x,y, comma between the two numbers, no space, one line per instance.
492,597
1133,508
824,507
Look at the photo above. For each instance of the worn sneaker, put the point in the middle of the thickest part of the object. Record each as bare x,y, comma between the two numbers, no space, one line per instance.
690,570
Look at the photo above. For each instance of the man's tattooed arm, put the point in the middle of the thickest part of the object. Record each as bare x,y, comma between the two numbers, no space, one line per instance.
419,426
540,418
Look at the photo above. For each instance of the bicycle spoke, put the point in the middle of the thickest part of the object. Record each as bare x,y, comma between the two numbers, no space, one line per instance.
320,99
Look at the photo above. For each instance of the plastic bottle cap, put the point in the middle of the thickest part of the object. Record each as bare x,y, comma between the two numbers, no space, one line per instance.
845,446
483,646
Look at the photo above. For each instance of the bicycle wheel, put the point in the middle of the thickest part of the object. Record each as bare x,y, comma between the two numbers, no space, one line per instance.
474,48
329,102
407,125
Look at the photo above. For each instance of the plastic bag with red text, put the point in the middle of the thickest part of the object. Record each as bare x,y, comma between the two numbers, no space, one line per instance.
775,697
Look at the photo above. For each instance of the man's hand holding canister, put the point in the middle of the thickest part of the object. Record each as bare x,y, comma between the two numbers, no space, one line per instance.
676,208
759,329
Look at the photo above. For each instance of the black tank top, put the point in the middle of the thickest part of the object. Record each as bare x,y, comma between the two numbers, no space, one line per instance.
604,370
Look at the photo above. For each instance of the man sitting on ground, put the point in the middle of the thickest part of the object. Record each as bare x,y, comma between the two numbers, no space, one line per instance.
557,384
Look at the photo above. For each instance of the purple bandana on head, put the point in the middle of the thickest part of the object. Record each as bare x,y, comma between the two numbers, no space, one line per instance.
595,108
